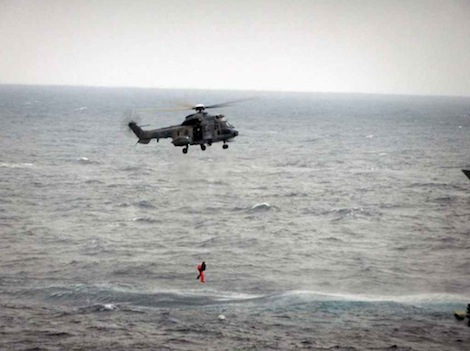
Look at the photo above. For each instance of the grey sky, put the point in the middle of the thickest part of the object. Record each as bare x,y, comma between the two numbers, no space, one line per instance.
368,46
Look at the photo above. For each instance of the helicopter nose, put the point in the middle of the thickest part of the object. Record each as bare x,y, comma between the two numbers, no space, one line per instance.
234,132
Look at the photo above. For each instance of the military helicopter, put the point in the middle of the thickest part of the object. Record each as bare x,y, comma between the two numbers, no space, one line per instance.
198,128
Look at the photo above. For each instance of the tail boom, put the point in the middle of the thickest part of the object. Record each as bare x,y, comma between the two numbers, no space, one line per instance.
140,133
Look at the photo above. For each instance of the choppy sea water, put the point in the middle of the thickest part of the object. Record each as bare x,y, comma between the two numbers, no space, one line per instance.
332,221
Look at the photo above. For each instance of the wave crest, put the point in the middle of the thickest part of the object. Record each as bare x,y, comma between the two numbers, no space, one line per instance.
261,207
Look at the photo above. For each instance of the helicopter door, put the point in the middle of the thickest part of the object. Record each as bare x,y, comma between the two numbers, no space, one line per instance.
208,132
197,132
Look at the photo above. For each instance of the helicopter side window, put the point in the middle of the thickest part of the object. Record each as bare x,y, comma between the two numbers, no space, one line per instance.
186,132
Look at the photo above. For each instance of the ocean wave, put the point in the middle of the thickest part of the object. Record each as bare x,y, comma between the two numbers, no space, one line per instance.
446,199
144,204
207,182
86,161
411,299
296,164
311,140
209,242
331,239
344,213
296,194
108,298
94,181
149,220
261,207
357,212
16,165
95,247
99,308
131,168
431,185
98,297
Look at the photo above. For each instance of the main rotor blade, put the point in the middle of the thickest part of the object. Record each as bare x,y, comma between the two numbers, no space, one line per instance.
184,106
228,103
150,109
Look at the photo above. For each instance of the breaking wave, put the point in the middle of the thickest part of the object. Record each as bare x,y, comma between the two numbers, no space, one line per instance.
261,207
16,165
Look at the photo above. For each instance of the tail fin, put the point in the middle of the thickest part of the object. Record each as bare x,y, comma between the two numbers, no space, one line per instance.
139,132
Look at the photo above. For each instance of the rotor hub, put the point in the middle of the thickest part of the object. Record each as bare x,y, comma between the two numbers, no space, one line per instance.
199,107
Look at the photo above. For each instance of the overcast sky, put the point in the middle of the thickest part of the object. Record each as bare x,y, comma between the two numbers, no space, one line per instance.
368,46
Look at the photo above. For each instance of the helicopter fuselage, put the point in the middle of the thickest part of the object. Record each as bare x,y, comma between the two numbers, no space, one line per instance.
198,128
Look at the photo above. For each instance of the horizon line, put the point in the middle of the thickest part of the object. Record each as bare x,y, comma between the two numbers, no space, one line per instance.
234,89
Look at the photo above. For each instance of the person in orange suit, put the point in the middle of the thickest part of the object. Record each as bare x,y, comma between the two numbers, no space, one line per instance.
201,268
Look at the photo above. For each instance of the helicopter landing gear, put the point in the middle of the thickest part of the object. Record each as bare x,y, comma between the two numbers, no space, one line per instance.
185,150
225,146
203,147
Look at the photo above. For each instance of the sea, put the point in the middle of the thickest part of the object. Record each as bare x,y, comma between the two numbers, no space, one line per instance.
332,222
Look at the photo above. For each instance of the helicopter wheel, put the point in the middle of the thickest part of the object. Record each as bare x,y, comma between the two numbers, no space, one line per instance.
203,147
225,146
185,150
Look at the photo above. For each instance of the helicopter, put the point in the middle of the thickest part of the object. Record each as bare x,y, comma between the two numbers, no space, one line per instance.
199,128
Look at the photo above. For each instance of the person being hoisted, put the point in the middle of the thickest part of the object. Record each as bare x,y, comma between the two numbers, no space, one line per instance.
201,268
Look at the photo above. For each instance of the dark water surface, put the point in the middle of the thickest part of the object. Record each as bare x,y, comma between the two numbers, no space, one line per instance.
331,222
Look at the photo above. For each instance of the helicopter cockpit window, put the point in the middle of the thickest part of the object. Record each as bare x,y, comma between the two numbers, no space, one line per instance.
226,125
